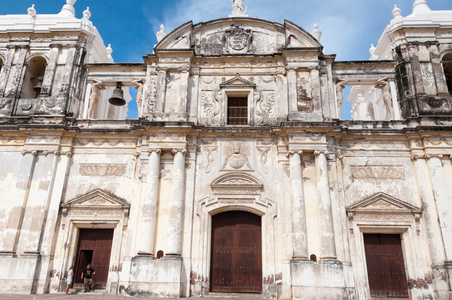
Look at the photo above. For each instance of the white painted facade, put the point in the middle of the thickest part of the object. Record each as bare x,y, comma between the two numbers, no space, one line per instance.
319,184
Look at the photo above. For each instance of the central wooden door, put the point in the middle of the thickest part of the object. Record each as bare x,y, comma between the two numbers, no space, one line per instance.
94,247
385,265
236,265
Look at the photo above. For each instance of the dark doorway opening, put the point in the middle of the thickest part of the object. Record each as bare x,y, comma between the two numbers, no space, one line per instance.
385,265
94,247
236,262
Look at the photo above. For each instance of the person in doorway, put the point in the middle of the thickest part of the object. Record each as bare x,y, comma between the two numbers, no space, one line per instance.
70,274
87,277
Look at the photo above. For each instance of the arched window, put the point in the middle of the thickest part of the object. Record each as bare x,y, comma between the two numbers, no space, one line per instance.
1,64
34,76
447,64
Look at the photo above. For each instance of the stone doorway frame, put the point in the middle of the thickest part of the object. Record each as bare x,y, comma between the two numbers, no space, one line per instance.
97,209
384,214
234,191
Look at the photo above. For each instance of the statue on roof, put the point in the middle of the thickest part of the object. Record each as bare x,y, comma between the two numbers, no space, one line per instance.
238,8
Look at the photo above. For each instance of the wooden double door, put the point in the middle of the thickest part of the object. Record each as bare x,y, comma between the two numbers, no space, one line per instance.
236,262
94,247
385,265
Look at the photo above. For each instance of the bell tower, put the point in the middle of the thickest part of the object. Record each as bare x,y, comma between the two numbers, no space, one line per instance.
45,74
421,69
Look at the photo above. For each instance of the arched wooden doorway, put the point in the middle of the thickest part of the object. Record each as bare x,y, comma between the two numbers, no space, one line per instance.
236,260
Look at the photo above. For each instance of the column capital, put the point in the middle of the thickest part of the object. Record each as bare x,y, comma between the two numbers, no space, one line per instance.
32,152
156,150
429,156
175,150
318,152
161,69
183,69
292,152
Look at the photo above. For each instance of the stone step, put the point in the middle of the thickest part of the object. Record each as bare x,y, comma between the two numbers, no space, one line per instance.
235,296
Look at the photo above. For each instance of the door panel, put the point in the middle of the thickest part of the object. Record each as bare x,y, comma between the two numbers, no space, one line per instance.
385,265
94,246
236,264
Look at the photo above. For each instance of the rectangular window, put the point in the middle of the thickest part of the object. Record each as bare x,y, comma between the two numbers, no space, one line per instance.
385,266
237,111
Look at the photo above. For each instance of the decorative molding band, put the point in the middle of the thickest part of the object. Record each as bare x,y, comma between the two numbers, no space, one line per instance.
102,169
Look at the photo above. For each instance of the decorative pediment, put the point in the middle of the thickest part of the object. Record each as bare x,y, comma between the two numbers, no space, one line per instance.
381,209
236,183
97,199
382,202
238,81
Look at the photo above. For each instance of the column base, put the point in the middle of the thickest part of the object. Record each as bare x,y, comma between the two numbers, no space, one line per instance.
151,277
312,280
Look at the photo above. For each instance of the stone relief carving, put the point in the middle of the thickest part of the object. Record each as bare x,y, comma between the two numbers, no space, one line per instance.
238,39
377,172
139,87
383,85
304,99
5,103
265,102
340,85
94,96
97,200
263,150
102,169
438,141
211,103
151,95
209,149
236,160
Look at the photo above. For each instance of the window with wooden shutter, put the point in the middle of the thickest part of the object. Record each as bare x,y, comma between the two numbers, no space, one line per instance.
237,111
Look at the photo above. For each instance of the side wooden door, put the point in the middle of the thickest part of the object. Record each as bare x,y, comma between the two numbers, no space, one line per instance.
385,265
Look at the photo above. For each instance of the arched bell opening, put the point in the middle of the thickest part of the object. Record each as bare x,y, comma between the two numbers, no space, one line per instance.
34,76
1,63
447,65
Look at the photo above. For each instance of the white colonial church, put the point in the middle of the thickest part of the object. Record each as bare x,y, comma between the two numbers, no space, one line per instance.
239,175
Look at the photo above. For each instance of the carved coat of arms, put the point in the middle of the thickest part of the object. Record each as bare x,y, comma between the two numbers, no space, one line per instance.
239,38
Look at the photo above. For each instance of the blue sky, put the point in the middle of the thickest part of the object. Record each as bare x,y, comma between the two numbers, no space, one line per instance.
348,26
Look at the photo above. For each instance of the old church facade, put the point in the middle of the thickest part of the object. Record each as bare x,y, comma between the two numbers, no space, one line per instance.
239,175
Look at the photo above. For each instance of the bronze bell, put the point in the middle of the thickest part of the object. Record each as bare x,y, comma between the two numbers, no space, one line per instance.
37,88
117,98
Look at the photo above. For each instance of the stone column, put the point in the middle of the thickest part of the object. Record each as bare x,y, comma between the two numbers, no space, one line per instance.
7,64
63,95
17,71
10,237
161,87
315,87
292,89
50,71
149,209
327,241
183,91
300,247
430,213
174,247
442,201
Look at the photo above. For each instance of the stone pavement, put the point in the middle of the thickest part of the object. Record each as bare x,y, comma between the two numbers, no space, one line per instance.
100,296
